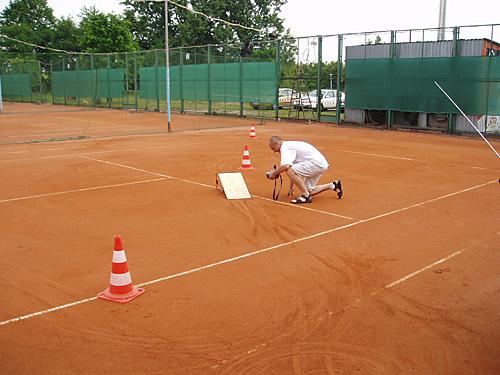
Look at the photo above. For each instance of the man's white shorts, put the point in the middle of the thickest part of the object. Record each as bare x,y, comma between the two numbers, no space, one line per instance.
310,171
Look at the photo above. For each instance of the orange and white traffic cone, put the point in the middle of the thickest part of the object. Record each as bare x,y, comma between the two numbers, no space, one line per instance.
120,288
252,132
246,163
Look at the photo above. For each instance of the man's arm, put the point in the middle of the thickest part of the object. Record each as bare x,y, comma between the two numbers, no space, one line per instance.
280,170
277,172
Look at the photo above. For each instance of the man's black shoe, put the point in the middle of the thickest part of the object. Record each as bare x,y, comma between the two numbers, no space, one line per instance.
338,189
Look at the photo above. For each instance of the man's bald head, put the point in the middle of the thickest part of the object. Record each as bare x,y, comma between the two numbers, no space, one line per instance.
275,143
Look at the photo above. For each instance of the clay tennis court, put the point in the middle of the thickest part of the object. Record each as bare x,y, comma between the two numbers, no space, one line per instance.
399,276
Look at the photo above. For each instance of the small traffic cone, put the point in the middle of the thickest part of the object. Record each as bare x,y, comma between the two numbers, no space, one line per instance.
246,163
252,132
120,283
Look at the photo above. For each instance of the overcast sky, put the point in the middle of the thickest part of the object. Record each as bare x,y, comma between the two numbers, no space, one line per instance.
326,17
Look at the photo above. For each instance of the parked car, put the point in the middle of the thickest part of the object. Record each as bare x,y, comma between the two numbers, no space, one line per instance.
328,100
285,99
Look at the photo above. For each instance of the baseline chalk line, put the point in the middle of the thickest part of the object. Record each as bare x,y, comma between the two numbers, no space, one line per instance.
243,256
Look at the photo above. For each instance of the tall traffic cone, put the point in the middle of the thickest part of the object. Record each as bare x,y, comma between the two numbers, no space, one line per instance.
252,132
246,163
120,283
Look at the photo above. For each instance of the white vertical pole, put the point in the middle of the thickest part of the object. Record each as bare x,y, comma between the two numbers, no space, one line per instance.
442,19
167,60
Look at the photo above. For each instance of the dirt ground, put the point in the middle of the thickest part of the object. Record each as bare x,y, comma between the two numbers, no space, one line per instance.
400,276
38,123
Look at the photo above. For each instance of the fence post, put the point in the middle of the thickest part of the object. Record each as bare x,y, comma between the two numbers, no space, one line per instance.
181,91
488,80
40,78
136,99
422,55
209,58
241,86
454,53
156,82
52,80
31,82
64,84
77,70
318,78
94,99
456,41
195,94
278,79
391,55
109,81
340,66
127,104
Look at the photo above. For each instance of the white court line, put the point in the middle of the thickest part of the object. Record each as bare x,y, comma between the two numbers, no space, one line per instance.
350,152
213,187
95,152
378,155
481,168
410,159
304,208
229,260
13,152
24,152
403,279
145,171
43,312
385,156
431,200
442,260
80,190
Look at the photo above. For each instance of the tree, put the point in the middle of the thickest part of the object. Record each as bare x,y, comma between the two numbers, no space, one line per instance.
378,40
36,13
67,35
101,32
309,73
188,29
32,21
147,23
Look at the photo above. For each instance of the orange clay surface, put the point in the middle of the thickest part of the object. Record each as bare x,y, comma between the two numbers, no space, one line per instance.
400,276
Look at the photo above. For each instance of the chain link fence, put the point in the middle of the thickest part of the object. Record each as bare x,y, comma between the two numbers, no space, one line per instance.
373,78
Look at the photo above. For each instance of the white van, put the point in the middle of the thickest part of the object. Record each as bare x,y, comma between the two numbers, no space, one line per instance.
328,100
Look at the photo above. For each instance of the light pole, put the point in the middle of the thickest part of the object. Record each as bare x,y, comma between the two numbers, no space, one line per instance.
167,60
331,81
442,20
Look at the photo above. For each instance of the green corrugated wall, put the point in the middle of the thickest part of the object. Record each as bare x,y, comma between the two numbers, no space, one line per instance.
408,84
102,83
232,82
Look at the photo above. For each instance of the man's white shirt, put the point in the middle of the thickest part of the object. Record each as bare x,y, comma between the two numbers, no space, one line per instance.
293,152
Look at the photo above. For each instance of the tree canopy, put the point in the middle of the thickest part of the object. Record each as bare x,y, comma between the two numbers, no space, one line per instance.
141,26
32,21
188,29
101,32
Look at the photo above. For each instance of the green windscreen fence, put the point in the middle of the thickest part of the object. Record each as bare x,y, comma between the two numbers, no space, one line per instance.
408,84
232,82
102,83
16,87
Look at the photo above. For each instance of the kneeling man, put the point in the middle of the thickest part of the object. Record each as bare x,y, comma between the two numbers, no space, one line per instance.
304,165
